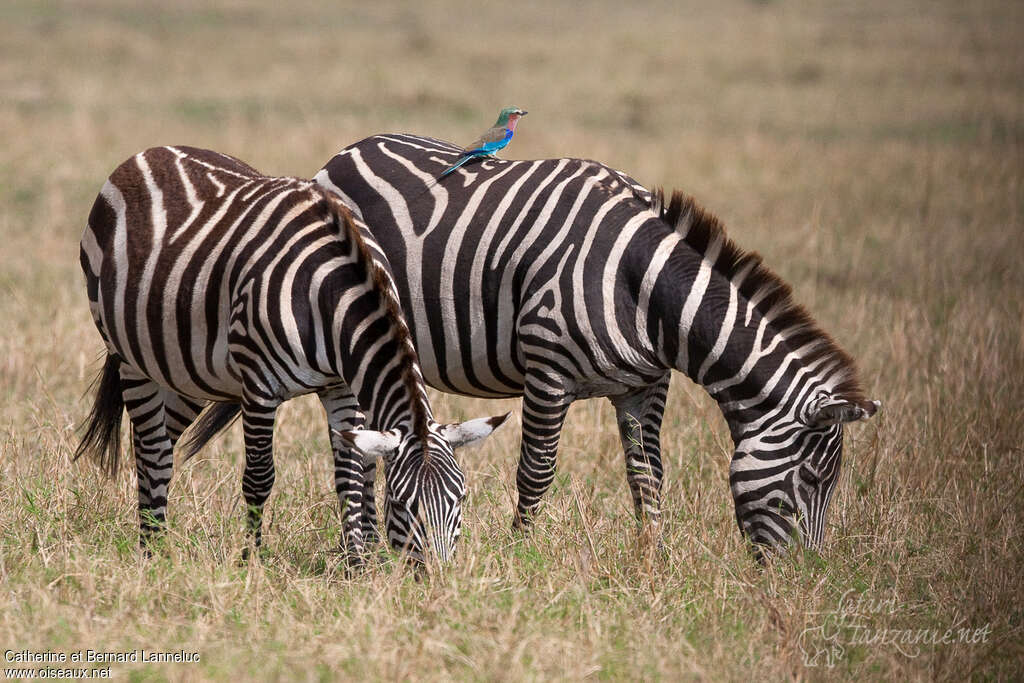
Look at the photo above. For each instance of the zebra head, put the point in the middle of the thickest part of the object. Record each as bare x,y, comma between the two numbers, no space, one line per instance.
424,486
782,475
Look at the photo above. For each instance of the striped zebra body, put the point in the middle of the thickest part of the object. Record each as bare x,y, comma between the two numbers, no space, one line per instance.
212,284
563,279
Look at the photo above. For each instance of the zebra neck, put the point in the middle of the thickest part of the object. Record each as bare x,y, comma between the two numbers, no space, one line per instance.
730,323
391,394
373,352
703,325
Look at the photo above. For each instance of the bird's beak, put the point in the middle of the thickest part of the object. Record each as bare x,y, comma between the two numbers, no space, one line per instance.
523,113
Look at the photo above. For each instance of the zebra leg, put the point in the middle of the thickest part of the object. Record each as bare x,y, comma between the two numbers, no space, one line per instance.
258,478
639,417
544,411
371,535
343,414
179,412
154,458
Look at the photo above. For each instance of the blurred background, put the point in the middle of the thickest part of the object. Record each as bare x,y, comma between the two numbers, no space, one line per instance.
872,151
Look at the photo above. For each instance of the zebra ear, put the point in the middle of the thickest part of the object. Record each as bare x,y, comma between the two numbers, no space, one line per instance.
832,410
370,444
463,433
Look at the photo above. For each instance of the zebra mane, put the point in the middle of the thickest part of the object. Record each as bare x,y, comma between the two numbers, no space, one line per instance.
769,294
384,284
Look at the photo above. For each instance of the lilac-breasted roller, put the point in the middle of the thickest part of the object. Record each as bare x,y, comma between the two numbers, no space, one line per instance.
494,139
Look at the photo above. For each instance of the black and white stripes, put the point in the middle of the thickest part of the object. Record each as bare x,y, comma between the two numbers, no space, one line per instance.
213,284
562,279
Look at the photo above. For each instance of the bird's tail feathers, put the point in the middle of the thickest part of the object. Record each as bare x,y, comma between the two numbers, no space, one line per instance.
458,164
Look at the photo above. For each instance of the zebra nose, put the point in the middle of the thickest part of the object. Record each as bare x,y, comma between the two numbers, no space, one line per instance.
441,547
441,551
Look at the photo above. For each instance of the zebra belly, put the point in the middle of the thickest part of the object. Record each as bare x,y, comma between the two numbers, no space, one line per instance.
210,370
213,379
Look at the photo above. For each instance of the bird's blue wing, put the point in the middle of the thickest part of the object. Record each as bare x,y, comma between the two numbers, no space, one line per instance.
488,144
490,137
492,147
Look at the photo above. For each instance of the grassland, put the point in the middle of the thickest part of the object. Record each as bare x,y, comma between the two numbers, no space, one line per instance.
873,152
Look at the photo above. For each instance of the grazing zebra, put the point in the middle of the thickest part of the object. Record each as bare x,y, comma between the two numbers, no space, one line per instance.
212,283
562,279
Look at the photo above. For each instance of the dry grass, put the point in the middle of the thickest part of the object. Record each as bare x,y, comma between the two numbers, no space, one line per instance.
872,152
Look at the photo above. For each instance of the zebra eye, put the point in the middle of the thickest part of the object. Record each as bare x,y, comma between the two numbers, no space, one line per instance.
809,477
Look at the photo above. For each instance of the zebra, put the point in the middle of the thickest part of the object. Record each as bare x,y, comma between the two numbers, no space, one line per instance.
214,285
563,279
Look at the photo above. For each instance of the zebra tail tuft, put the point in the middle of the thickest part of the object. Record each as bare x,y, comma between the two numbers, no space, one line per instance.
102,438
214,419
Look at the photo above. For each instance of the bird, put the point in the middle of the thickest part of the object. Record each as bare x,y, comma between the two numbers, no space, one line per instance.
494,139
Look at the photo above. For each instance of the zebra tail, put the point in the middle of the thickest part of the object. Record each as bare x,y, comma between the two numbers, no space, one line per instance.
213,420
102,438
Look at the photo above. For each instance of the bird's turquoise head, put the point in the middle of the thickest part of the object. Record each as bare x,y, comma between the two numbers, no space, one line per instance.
508,116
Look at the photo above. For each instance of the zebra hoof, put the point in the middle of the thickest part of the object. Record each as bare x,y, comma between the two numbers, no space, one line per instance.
150,543
650,544
248,554
353,564
521,523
